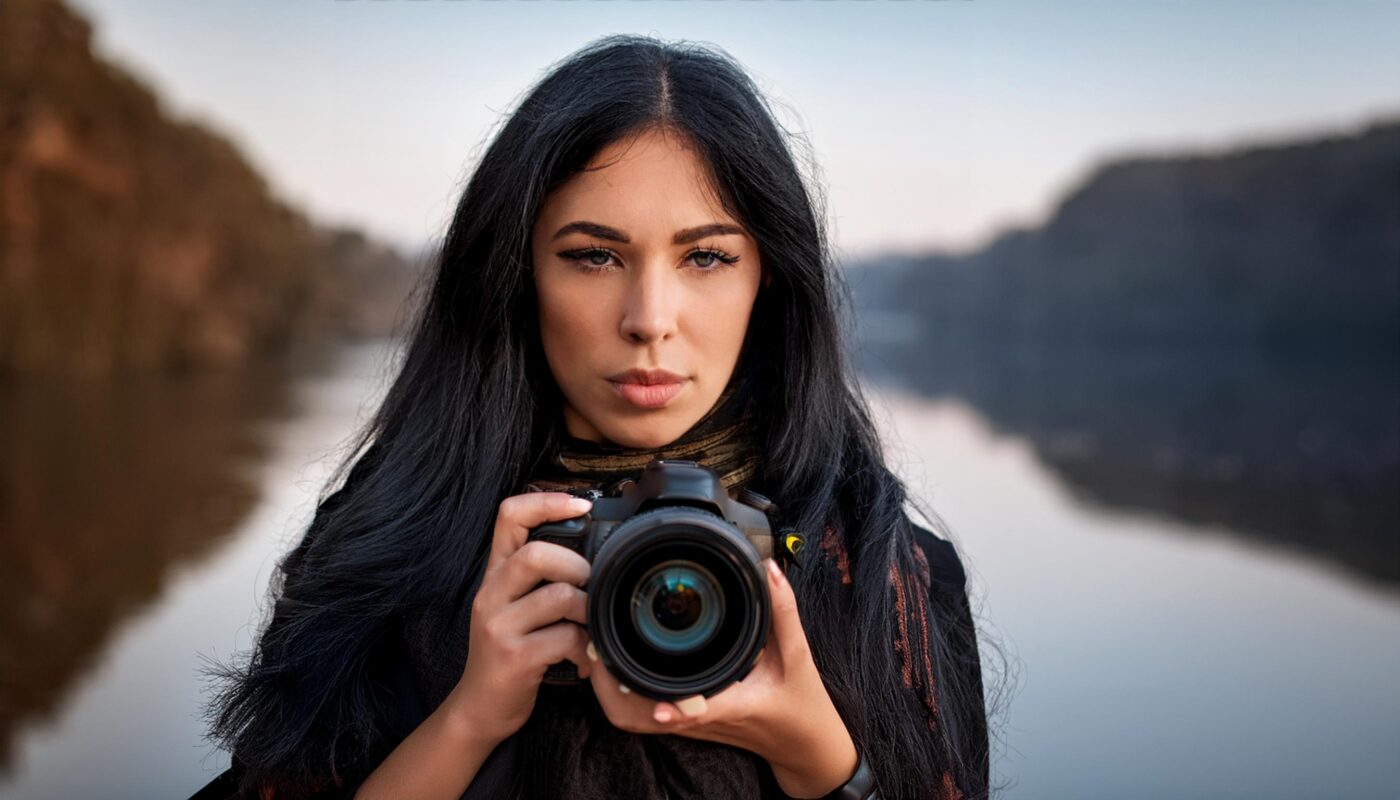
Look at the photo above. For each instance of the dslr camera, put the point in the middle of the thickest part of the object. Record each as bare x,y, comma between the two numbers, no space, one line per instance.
678,601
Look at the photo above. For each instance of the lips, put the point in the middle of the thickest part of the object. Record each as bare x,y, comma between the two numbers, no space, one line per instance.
647,388
647,376
653,395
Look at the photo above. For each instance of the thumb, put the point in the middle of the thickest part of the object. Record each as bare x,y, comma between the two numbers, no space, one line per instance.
787,623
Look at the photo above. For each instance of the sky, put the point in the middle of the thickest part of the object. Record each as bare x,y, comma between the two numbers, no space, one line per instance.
935,124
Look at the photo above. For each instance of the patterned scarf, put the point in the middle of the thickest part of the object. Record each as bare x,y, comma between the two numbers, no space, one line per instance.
722,440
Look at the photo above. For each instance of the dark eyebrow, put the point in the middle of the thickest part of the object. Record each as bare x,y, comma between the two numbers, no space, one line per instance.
683,237
713,229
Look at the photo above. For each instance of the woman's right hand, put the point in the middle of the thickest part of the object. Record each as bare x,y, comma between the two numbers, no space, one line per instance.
518,630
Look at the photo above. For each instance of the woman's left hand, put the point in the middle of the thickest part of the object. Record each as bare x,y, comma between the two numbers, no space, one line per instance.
780,710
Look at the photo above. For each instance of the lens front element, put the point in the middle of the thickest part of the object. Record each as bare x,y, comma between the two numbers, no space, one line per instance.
677,606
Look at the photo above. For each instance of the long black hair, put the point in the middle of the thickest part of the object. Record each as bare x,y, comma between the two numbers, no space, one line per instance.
473,406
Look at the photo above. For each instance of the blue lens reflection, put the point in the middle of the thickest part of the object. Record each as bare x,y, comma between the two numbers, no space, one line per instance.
678,606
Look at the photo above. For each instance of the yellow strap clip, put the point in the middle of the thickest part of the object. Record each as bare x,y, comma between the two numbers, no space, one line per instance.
793,542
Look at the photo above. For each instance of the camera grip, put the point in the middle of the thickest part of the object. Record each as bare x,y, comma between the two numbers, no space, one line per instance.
569,533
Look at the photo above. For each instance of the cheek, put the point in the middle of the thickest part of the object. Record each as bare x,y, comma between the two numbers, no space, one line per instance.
571,324
721,320
560,318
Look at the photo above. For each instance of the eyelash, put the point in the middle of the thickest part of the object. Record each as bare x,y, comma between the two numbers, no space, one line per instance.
722,259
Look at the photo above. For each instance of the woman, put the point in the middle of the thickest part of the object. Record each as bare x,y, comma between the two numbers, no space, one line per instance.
635,270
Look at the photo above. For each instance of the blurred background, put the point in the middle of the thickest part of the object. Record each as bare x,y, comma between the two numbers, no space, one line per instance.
1127,282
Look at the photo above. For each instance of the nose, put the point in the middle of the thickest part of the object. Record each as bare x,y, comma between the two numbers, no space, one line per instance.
652,305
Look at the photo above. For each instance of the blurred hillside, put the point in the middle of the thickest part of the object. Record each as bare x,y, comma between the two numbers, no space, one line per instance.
130,240
1213,337
1292,247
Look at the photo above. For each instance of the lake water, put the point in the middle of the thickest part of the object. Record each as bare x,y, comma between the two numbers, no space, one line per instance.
1146,656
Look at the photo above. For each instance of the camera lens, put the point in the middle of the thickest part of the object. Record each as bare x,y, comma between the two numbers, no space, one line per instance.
677,606
678,602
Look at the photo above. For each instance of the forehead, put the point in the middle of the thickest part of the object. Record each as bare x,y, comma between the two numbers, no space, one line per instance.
653,180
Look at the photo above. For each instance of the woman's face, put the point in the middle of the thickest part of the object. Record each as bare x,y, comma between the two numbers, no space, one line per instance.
637,267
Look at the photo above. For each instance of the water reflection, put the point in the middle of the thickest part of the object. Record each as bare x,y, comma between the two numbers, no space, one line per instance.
105,490
1154,658
1296,453
1157,657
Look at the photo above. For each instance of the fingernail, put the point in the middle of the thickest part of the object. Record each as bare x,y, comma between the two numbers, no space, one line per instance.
774,571
662,715
692,706
580,504
592,652
622,687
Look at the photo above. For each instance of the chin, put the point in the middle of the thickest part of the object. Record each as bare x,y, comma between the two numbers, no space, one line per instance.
644,436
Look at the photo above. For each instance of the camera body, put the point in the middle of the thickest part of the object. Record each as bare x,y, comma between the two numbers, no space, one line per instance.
678,600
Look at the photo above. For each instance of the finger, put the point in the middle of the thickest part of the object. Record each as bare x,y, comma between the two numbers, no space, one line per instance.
690,708
579,655
787,630
537,561
517,514
547,604
667,714
562,641
623,707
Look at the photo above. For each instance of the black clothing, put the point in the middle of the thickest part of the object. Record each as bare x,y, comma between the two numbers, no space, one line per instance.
497,773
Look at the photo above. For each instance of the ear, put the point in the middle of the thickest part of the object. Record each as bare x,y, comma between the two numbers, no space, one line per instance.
767,277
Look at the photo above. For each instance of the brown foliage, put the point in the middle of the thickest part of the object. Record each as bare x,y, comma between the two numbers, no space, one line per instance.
130,240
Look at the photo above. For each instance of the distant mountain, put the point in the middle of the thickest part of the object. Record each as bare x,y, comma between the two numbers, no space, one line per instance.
1284,247
1214,337
131,240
